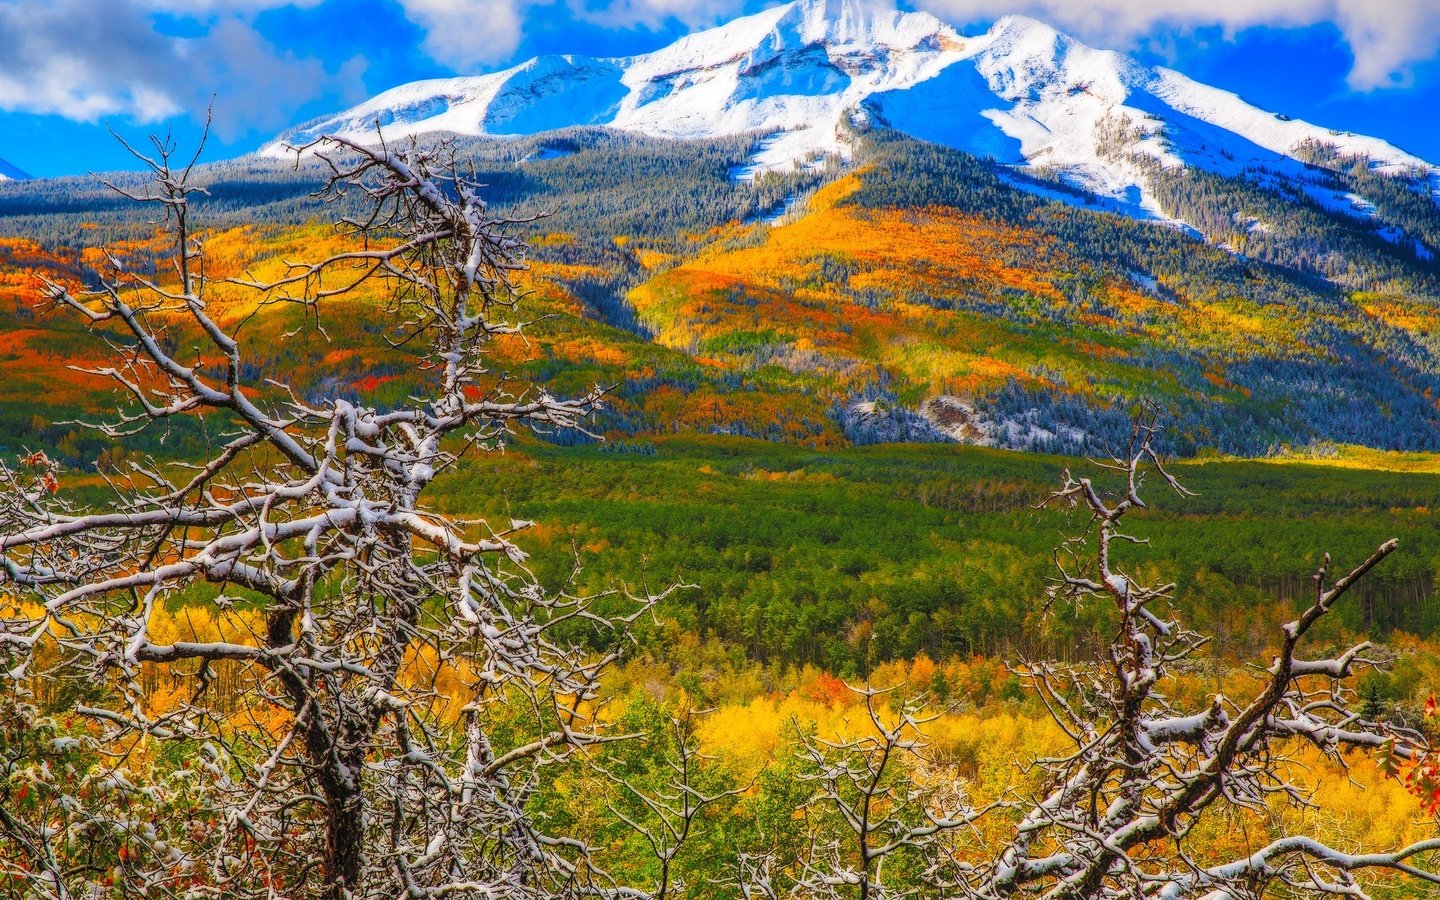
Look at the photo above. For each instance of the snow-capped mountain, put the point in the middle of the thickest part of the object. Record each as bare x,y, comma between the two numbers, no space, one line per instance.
10,173
810,72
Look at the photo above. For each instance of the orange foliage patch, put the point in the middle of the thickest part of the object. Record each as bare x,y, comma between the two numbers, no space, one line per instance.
800,286
589,349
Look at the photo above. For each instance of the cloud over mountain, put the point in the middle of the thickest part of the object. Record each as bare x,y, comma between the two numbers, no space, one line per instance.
1387,37
85,61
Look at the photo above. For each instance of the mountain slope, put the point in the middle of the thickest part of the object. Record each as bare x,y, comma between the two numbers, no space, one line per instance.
10,173
920,295
929,299
812,72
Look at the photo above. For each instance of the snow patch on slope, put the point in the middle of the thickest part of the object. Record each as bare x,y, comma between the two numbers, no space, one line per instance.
1072,190
1343,202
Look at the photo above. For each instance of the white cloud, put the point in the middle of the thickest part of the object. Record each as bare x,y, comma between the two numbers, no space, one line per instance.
256,86
464,34
1388,37
202,7
654,14
86,60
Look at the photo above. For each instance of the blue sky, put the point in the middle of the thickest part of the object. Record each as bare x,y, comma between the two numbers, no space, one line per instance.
1371,66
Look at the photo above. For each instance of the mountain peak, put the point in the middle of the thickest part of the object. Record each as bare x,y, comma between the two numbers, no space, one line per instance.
1017,25
805,74
838,23
1031,50
824,17
829,21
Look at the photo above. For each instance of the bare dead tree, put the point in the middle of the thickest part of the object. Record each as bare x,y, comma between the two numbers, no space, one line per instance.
868,812
670,813
341,776
1119,809
883,812
1116,814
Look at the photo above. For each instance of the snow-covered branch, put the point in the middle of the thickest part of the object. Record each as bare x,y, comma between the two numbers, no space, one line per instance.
331,740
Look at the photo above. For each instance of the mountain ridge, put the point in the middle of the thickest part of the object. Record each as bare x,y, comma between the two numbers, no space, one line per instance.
10,172
807,74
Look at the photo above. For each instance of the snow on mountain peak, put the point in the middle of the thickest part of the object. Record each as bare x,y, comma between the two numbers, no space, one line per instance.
860,24
1034,37
806,72
795,71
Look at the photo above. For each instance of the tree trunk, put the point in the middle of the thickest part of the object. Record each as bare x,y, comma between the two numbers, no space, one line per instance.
344,830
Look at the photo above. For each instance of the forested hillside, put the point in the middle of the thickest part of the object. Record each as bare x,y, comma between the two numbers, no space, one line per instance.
847,559
920,294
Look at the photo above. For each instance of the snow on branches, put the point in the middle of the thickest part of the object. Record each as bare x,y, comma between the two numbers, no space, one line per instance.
1114,816
332,765
1120,807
